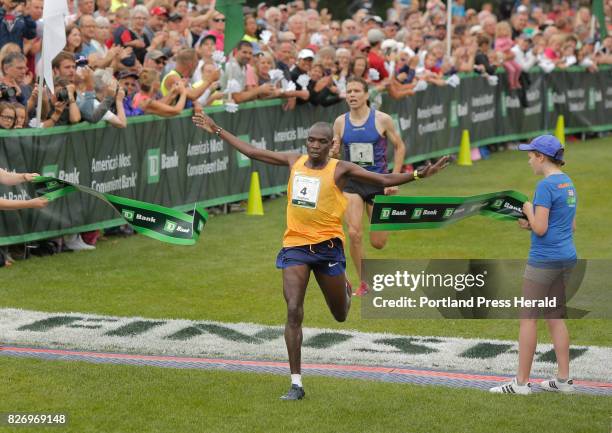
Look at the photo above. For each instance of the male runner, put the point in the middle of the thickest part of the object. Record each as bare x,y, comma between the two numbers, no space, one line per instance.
363,133
314,237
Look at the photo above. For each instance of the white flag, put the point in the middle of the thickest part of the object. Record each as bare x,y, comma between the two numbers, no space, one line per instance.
54,35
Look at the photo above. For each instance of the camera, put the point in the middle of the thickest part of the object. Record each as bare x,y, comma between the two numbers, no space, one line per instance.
7,92
81,61
62,95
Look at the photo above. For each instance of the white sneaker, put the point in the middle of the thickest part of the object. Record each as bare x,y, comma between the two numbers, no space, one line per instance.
512,387
554,385
76,243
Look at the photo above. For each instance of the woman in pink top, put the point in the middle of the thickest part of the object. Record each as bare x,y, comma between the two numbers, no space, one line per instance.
503,46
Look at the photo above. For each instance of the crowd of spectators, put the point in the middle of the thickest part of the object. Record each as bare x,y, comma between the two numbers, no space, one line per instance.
127,58
124,59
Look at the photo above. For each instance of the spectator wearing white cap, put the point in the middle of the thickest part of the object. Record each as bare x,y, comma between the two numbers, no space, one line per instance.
376,59
299,74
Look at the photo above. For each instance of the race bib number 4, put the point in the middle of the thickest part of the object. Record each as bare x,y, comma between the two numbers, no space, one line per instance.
305,191
362,153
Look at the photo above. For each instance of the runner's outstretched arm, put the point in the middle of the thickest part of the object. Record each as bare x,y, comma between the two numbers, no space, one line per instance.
392,179
203,121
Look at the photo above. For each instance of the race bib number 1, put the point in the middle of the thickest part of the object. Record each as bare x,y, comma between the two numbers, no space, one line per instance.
305,191
362,153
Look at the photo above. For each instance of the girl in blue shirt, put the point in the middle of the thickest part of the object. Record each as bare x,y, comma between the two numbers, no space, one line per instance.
551,218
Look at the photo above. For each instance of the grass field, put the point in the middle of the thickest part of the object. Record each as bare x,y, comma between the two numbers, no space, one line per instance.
230,276
109,399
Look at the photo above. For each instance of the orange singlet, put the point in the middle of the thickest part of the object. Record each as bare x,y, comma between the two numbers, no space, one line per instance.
315,205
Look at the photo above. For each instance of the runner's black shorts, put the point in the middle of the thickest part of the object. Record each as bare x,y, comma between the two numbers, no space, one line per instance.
366,191
326,257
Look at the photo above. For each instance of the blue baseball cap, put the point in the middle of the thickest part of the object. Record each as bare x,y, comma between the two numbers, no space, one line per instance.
548,145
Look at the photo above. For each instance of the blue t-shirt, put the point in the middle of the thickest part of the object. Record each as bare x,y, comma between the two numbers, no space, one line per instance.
556,193
458,10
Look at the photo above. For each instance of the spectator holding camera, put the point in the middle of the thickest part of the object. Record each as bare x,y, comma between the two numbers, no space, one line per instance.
65,109
106,88
12,86
14,25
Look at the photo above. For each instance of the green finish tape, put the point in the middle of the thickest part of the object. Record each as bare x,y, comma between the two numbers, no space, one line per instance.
157,222
407,213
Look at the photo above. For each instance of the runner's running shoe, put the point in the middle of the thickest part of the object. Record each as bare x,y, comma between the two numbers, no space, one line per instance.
295,393
362,290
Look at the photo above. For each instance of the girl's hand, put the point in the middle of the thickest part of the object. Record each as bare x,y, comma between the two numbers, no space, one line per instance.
524,224
38,202
528,208
30,176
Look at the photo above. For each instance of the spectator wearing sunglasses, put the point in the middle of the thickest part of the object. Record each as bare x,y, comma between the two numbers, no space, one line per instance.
217,29
155,59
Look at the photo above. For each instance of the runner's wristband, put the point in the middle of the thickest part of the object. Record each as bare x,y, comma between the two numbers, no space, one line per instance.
415,175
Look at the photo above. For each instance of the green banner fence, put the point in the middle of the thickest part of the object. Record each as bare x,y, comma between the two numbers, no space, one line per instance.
172,163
